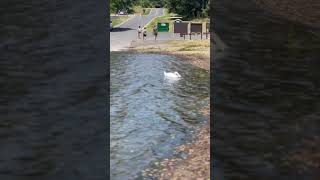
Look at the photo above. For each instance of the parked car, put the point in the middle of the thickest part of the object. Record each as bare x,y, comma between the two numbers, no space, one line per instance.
123,12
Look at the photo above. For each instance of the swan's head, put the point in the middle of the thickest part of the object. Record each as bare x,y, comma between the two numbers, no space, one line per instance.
177,74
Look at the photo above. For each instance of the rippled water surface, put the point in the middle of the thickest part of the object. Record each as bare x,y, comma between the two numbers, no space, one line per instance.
150,115
266,95
53,81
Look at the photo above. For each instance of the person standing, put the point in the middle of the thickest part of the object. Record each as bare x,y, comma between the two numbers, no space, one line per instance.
144,33
139,32
155,32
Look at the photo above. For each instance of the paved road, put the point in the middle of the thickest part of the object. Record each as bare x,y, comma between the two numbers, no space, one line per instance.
122,35
112,17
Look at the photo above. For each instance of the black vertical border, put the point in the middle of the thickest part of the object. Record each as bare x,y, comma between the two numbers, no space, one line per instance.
108,85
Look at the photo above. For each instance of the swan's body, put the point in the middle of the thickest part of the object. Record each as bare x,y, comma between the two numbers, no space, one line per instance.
170,75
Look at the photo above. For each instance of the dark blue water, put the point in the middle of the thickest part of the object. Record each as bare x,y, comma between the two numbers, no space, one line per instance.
53,81
265,94
149,114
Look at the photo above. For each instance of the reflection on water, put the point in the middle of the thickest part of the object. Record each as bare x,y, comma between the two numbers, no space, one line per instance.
149,113
266,96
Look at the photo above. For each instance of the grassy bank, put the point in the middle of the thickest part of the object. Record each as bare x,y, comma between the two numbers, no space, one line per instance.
139,10
197,52
119,20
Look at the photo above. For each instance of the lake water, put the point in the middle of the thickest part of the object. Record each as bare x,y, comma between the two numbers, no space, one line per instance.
150,115
266,95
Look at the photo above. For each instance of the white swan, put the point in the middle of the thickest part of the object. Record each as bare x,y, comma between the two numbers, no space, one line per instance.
170,75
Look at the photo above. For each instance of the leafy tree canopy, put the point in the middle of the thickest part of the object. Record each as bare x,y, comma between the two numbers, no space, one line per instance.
186,8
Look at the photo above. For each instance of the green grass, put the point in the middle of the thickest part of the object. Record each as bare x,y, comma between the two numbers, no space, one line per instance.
139,9
164,18
119,20
147,11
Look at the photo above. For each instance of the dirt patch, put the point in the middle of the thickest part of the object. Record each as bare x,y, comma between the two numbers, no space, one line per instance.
195,166
196,161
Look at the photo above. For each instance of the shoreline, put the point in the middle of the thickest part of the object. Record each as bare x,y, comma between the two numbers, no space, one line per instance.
196,162
196,54
193,160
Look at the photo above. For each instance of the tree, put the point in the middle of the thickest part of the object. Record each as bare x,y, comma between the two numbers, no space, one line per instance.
117,5
149,3
188,8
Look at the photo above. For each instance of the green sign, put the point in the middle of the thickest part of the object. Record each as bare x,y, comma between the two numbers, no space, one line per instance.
163,27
